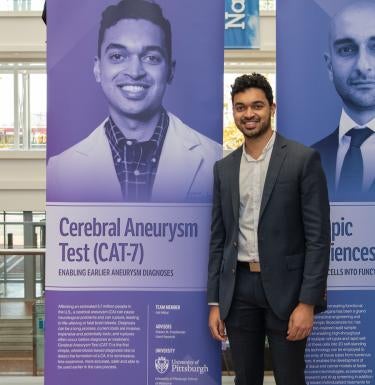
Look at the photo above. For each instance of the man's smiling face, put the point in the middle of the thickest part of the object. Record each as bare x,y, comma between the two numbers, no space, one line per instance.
134,68
351,60
252,112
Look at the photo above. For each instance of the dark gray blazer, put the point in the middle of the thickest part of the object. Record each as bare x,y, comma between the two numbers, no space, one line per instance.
293,230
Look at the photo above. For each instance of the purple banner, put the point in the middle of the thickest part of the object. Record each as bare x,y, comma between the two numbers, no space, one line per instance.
326,100
135,127
128,337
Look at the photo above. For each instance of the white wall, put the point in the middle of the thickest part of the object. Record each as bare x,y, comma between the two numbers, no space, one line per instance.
22,36
22,180
268,32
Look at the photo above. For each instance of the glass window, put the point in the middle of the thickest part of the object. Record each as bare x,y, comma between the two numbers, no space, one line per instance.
21,110
19,230
23,104
38,110
267,5
39,223
39,217
12,266
6,111
21,5
2,232
14,230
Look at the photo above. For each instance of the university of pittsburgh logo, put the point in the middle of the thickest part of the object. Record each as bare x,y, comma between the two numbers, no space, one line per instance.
161,365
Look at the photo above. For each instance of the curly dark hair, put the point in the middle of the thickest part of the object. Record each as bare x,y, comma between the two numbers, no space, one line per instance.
255,80
136,9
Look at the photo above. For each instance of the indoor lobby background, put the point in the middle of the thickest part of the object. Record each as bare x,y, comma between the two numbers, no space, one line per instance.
23,138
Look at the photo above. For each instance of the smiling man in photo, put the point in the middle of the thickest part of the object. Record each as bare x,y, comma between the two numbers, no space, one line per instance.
141,152
348,154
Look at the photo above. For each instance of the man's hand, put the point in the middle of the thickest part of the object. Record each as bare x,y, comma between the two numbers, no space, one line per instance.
300,322
215,324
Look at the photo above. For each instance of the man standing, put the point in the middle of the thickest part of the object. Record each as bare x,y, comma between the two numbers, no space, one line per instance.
270,239
348,154
141,152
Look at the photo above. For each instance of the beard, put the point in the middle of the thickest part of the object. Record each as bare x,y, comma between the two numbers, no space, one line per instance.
255,132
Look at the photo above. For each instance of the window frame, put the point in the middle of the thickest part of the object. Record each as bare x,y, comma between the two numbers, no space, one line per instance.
23,6
21,72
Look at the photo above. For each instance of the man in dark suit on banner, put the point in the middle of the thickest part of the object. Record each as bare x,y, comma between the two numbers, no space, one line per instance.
270,241
348,154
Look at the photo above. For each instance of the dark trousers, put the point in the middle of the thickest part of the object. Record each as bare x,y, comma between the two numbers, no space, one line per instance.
251,319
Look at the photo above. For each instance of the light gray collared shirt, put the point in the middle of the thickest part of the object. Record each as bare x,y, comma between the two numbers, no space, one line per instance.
252,177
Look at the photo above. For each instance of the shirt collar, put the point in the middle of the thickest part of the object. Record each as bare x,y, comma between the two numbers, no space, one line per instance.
347,123
117,139
267,147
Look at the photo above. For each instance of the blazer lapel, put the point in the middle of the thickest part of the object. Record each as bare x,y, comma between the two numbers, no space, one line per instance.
276,161
97,161
234,175
173,179
328,153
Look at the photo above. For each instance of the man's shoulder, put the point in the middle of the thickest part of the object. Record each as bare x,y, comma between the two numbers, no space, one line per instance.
83,147
292,145
328,142
233,154
230,160
297,150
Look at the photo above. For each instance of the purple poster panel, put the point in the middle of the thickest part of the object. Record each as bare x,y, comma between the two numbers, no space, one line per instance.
326,100
135,127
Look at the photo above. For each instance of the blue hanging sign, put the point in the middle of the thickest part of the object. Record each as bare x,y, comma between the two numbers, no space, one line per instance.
241,24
